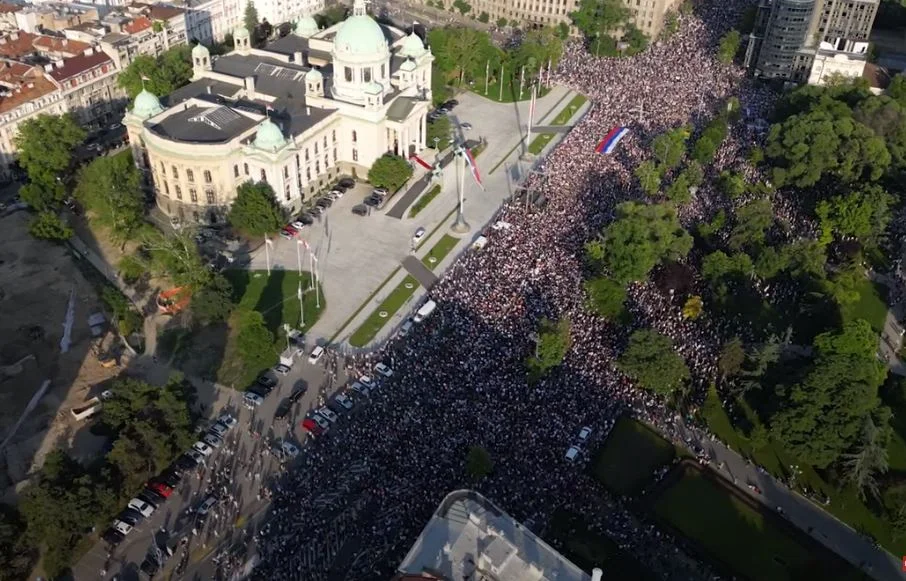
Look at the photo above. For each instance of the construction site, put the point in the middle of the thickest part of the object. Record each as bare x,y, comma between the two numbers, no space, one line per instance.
57,353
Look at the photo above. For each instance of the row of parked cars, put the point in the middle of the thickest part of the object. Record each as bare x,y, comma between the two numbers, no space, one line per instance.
158,489
307,217
318,422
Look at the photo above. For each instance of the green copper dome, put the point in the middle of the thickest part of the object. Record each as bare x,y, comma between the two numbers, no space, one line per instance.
314,75
146,105
200,51
360,35
412,46
240,32
269,137
306,27
373,88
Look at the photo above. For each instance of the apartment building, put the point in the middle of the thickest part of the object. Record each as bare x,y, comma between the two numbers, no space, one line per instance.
88,83
210,21
648,15
280,11
26,91
54,16
811,40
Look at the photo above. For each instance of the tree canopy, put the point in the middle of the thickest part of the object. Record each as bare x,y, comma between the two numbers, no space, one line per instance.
821,417
595,18
45,145
255,211
254,340
605,297
110,187
390,171
214,302
862,213
176,256
551,345
651,361
729,46
642,236
478,463
49,226
164,74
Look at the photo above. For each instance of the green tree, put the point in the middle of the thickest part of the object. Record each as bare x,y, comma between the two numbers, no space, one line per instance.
693,307
598,17
463,6
725,272
110,187
752,222
478,463
732,183
331,16
709,141
822,417
49,226
131,268
440,129
732,357
886,116
605,297
551,345
176,256
214,302
45,145
869,458
501,22
862,213
390,171
651,361
162,75
125,316
826,141
895,505
679,192
17,555
250,18
255,211
649,176
729,46
641,237
669,148
254,340
483,17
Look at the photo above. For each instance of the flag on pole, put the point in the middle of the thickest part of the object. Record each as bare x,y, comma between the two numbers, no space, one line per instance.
473,167
268,241
299,290
611,140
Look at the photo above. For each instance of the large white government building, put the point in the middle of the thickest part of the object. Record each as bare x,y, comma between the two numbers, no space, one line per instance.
309,107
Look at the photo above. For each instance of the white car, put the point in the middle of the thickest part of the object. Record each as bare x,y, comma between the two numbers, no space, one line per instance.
289,449
212,440
336,194
122,527
344,401
202,448
584,434
573,453
282,369
419,234
197,456
321,421
331,417
466,126
219,429
383,370
252,400
143,508
367,381
361,388
228,420
315,354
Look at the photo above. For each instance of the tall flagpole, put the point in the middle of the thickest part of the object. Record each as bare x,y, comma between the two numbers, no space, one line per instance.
549,62
299,295
500,80
317,290
521,82
531,115
267,253
487,74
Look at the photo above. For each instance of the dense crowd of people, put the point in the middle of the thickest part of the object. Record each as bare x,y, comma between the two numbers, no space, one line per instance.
460,379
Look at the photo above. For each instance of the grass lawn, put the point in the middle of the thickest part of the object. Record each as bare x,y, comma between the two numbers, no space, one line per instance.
423,201
439,251
375,322
589,550
567,113
510,91
742,537
871,306
540,142
629,456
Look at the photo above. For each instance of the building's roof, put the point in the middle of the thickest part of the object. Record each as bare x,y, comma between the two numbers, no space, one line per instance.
8,8
114,37
297,116
399,110
468,535
360,35
195,124
305,27
24,83
413,46
877,77
269,136
272,77
79,64
160,12
138,25
20,44
203,87
60,45
146,104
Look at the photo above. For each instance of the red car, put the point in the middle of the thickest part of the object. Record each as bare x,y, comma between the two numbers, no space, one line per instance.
161,488
288,232
311,427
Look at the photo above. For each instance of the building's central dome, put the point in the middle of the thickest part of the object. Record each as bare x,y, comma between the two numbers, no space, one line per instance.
360,34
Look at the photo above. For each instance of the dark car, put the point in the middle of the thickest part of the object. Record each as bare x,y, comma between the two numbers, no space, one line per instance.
360,210
186,463
374,200
283,409
451,103
171,477
316,210
324,202
113,536
346,183
297,393
306,218
151,497
131,516
149,566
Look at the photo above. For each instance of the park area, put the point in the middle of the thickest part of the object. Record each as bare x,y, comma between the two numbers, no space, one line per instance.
629,456
745,537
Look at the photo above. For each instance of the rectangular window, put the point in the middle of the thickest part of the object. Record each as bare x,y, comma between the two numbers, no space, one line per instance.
190,175
306,154
163,169
245,167
209,196
178,192
175,173
355,155
263,176
193,195
207,177
333,135
166,188
236,171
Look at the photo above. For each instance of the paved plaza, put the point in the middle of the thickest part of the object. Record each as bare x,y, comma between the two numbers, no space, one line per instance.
357,254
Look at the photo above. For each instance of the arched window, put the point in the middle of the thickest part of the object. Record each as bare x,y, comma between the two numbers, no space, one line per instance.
163,169
333,135
236,171
317,167
347,74
245,167
207,176
316,148
178,192
325,142
190,175
355,137
263,176
193,195
366,75
209,195
175,172
166,188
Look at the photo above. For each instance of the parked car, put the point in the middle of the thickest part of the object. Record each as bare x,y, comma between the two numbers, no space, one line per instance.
306,219
113,536
360,210
123,527
160,488
206,504
466,126
380,191
228,420
149,566
312,427
323,422
288,233
151,497
297,393
584,434
203,448
324,202
281,369
283,410
267,381
360,388
218,429
171,477
383,370
344,401
298,225
419,234
212,440
142,507
288,449
130,516
252,400
573,453
328,414
197,456
316,210
373,201
346,183
186,462
368,381
315,354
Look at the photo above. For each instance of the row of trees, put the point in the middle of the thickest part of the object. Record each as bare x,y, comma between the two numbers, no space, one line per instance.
608,28
150,425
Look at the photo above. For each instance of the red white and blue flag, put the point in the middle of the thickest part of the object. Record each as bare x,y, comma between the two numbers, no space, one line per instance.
473,167
610,141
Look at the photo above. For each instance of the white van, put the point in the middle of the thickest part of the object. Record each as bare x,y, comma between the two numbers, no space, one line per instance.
425,312
315,354
572,454
405,328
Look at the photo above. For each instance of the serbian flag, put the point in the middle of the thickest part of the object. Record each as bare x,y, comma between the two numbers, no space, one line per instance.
611,140
473,167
